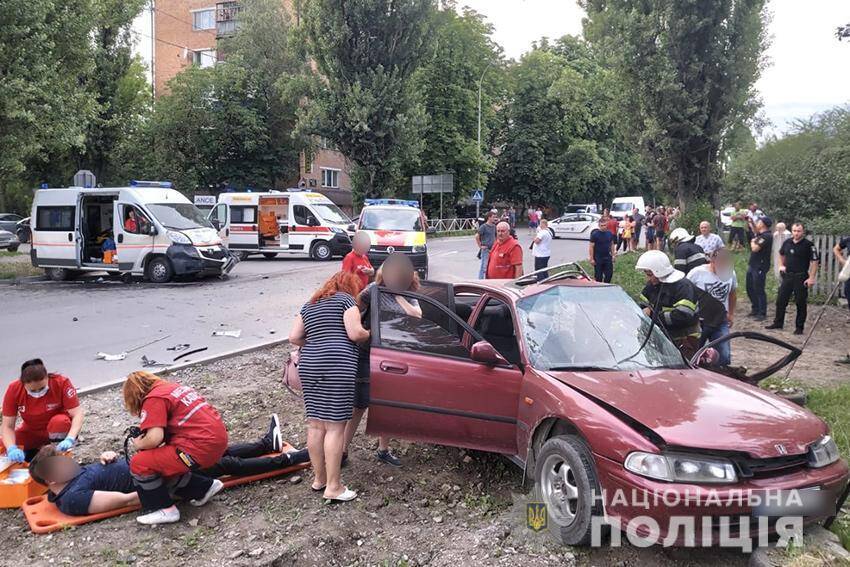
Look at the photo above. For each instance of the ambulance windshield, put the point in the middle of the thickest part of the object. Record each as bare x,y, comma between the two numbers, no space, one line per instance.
404,219
179,216
330,213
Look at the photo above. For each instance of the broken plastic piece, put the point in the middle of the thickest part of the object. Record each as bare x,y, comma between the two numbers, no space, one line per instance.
111,357
147,362
176,358
182,346
235,334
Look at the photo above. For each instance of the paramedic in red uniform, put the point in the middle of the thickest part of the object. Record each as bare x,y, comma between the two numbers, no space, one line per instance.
49,410
131,225
181,433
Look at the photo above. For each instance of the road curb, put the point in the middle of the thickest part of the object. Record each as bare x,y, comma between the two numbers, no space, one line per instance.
169,369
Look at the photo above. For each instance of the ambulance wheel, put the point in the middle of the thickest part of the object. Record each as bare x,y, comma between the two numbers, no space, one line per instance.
269,255
321,251
159,270
57,274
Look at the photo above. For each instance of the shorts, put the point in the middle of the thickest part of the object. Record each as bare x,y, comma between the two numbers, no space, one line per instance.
736,234
650,234
361,395
659,235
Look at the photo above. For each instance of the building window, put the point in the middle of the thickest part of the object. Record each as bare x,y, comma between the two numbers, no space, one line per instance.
203,19
204,58
330,178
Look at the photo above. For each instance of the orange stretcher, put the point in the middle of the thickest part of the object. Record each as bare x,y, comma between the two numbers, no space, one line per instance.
44,517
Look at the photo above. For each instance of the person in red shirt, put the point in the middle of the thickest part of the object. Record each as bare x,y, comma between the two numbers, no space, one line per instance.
357,261
131,225
181,433
49,410
505,255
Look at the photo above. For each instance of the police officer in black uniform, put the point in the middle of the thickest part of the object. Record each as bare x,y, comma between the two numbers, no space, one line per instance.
798,268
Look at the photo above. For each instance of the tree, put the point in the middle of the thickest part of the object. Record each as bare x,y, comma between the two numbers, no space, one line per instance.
44,50
231,124
447,86
690,70
366,52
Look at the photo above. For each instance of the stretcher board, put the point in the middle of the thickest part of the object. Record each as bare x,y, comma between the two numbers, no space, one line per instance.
44,517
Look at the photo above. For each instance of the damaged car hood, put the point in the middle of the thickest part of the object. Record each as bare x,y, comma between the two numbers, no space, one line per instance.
702,410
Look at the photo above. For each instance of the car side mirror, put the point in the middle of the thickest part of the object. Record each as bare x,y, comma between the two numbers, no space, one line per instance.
311,221
216,224
483,352
430,230
151,230
352,228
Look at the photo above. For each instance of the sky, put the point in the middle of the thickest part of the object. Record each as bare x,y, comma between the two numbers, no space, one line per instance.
808,71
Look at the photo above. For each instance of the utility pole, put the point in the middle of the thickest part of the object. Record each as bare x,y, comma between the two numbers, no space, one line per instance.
480,152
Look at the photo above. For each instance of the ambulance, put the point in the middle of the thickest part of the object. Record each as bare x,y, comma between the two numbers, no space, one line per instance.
146,229
282,222
396,226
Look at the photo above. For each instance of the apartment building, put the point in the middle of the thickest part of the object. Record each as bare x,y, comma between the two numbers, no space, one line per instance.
186,32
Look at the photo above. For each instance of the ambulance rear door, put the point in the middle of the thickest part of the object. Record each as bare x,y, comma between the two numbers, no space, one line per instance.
55,228
219,217
242,221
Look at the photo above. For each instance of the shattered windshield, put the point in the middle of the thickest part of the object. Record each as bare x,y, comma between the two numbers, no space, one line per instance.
592,328
179,216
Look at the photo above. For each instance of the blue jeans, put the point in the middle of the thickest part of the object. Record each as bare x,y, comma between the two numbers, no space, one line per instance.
755,290
485,258
724,349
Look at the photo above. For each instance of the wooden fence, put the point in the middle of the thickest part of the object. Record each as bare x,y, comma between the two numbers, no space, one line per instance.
829,266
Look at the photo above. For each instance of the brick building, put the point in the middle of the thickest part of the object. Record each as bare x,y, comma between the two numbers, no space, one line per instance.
186,33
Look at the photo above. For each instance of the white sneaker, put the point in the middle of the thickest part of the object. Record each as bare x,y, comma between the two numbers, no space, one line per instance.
216,487
162,516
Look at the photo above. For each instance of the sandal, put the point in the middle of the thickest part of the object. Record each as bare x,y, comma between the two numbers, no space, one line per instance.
315,488
347,495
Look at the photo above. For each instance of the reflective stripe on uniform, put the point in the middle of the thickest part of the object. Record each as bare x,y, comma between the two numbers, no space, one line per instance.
191,413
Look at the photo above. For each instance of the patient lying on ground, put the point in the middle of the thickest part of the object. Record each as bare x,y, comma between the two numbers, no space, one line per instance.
100,487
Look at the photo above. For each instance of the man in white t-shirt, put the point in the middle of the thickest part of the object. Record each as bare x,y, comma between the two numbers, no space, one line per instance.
542,249
707,240
718,279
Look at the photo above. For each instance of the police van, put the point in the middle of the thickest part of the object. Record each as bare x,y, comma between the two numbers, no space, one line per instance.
282,222
396,226
146,229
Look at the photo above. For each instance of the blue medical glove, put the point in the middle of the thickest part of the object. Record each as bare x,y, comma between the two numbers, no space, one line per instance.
66,444
15,455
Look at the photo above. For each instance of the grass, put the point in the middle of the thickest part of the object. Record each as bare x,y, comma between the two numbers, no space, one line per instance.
12,270
470,232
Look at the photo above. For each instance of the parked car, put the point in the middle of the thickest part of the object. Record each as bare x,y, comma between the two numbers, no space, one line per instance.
622,206
581,208
570,380
576,226
9,221
9,241
23,230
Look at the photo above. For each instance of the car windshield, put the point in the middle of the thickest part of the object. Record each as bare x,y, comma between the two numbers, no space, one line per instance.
179,216
390,219
330,213
622,207
592,328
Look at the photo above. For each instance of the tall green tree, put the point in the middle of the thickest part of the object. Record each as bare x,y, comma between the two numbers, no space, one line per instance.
690,69
366,52
44,50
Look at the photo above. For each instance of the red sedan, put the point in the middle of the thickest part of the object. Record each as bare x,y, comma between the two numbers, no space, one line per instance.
560,377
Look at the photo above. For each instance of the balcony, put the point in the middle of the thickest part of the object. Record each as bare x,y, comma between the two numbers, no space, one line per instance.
226,18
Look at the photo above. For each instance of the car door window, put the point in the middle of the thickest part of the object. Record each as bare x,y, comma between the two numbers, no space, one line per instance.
134,221
496,325
434,332
303,216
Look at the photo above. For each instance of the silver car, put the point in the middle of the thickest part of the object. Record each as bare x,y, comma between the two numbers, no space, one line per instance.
576,226
9,241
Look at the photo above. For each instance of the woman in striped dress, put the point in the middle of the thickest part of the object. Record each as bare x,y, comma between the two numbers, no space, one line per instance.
326,330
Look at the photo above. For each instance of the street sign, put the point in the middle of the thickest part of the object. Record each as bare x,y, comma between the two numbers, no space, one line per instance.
478,196
208,200
84,178
422,184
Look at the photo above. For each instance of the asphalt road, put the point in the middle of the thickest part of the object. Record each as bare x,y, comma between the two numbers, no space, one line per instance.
66,324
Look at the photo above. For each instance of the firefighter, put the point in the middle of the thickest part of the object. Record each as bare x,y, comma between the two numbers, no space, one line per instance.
670,299
180,434
688,254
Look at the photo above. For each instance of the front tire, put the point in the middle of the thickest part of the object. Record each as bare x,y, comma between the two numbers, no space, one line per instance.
565,480
321,251
13,248
159,270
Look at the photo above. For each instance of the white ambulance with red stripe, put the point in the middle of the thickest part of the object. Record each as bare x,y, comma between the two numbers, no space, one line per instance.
145,229
282,222
396,226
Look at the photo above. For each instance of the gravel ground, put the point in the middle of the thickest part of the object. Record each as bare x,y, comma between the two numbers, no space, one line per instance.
444,507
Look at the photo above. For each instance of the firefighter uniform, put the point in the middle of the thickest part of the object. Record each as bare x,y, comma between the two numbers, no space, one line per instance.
674,307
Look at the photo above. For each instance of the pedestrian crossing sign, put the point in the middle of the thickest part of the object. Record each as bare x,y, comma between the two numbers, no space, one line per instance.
478,195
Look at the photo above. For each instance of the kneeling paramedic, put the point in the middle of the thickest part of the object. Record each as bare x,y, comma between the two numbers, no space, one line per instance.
671,300
108,485
181,433
49,410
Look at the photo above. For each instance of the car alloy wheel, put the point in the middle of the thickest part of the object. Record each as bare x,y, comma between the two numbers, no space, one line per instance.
159,270
321,251
559,489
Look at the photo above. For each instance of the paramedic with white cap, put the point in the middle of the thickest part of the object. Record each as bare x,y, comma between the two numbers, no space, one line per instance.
671,300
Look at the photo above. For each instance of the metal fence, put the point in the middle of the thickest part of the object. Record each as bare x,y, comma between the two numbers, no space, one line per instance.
829,266
452,225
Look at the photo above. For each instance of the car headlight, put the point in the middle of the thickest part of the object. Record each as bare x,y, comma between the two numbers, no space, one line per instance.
419,248
823,453
178,237
337,230
681,467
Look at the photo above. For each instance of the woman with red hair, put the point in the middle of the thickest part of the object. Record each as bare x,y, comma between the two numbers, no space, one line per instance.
326,330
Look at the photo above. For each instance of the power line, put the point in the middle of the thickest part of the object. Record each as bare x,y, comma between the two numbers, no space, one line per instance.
202,52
